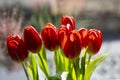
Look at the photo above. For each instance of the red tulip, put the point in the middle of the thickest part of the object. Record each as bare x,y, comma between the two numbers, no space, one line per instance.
72,45
50,37
68,21
94,41
63,31
32,39
84,37
16,48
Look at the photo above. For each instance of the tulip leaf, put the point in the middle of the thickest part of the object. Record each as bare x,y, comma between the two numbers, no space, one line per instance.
57,76
92,66
54,78
65,62
62,63
32,67
59,59
71,75
30,70
42,61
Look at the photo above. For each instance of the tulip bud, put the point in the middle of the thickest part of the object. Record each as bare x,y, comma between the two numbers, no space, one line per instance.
16,48
72,46
94,41
50,37
68,21
63,31
84,37
32,39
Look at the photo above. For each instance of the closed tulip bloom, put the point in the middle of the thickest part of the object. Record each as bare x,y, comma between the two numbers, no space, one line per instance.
16,48
50,36
72,46
84,37
68,20
32,39
94,41
63,31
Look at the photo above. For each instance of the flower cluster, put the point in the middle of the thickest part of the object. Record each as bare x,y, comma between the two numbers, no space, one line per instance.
71,40
18,48
66,39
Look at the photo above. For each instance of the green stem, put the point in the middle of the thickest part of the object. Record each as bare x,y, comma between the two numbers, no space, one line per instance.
26,73
45,71
84,67
56,58
89,60
83,64
75,68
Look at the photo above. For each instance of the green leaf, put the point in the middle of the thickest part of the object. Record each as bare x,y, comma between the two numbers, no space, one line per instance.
54,78
32,67
62,63
71,75
92,66
60,76
42,61
30,70
57,76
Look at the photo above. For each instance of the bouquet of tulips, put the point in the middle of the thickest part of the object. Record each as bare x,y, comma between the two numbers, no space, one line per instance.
72,49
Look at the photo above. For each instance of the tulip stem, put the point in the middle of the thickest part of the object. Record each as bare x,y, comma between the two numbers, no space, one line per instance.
75,68
83,59
89,58
26,73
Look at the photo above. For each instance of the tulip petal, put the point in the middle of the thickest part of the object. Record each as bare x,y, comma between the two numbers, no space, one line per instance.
94,41
32,39
16,48
50,37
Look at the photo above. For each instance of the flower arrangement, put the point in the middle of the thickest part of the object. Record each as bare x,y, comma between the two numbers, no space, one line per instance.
72,49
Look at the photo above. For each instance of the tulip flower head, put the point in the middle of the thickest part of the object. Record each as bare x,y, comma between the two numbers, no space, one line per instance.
63,31
94,41
50,36
67,25
72,46
84,37
32,39
68,21
16,48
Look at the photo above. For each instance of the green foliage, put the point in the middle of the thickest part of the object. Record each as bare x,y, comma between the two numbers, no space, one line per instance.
42,61
32,67
76,71
79,68
69,69
92,66
42,16
62,63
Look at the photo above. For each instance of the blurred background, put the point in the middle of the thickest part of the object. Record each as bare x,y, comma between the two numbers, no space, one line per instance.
100,14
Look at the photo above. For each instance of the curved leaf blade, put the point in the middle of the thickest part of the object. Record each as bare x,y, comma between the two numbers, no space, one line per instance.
92,66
